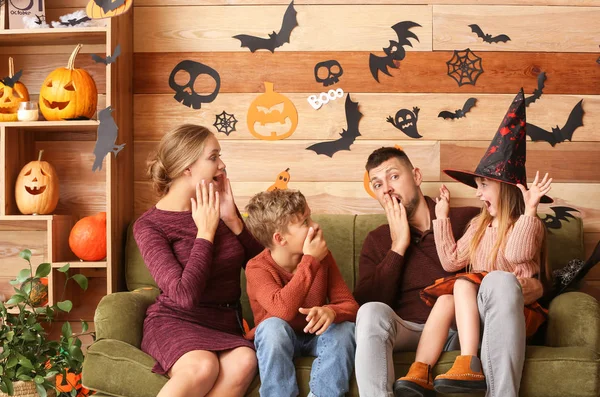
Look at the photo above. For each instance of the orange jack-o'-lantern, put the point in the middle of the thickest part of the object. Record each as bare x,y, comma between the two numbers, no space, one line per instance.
281,182
36,190
272,116
367,182
12,93
68,93
95,11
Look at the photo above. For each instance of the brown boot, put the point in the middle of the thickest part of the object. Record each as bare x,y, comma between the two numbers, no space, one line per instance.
465,376
418,382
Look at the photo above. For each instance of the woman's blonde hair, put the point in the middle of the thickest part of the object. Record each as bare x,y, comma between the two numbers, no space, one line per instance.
511,207
178,149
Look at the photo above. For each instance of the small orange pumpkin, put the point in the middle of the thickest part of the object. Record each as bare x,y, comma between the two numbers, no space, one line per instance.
68,93
281,182
272,116
367,182
11,95
87,239
94,11
36,190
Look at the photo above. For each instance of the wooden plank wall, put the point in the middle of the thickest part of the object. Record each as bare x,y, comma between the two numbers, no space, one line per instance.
559,37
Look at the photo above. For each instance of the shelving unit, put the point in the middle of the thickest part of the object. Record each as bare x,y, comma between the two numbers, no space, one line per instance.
68,146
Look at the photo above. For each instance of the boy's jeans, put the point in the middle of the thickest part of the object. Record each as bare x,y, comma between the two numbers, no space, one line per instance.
277,345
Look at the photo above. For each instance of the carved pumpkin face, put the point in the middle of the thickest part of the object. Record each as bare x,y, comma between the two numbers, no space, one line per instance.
272,116
36,190
11,95
68,93
115,7
367,182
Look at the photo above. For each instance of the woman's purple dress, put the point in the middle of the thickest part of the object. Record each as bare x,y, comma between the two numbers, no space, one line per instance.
198,307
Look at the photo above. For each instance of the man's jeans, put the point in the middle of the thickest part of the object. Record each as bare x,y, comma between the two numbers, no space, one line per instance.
277,345
380,332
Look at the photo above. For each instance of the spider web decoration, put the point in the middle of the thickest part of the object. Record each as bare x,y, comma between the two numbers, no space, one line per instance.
464,67
225,123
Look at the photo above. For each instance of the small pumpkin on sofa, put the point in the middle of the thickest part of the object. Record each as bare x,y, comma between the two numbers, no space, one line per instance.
12,93
68,93
87,239
37,188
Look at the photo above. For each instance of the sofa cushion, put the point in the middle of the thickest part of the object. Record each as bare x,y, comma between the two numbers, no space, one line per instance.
137,274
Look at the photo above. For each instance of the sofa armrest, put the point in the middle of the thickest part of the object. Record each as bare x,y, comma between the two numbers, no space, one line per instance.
574,320
121,315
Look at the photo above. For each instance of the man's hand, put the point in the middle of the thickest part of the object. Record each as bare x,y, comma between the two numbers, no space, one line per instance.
398,221
532,289
319,319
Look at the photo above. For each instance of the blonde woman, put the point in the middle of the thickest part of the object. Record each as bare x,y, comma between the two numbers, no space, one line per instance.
195,245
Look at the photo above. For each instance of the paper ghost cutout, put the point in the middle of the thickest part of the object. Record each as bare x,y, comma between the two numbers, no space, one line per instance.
459,113
107,136
558,135
185,94
347,137
109,58
406,121
487,38
275,40
395,51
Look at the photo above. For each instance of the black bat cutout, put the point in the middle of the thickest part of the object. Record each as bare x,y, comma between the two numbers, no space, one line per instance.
558,135
487,38
348,136
537,93
275,40
11,81
109,58
109,5
395,51
459,113
38,17
75,22
560,214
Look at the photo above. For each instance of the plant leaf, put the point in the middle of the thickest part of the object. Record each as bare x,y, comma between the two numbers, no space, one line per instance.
65,306
9,336
25,378
12,362
25,254
9,386
38,379
66,330
41,390
81,280
24,361
65,268
23,275
43,270
76,353
84,326
16,298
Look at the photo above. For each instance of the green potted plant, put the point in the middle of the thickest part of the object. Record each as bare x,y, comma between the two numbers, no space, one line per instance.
29,360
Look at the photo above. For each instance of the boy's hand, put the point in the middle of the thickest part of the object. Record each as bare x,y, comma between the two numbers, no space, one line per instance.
319,319
315,245
442,206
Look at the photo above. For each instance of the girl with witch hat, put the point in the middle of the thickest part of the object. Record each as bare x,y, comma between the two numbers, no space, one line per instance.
506,236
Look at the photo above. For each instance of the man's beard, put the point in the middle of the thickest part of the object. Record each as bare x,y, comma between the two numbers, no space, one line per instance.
411,206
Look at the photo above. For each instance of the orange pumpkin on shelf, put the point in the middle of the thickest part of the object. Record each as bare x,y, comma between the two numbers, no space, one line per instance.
95,11
68,93
87,239
272,116
36,190
12,93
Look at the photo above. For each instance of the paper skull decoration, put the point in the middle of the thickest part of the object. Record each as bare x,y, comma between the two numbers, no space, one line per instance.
272,116
68,93
367,182
36,190
185,94
328,72
12,93
281,182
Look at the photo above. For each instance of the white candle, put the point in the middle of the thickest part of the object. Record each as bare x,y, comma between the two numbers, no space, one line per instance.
27,115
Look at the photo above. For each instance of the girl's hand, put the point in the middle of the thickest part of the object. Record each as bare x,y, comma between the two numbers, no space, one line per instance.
205,210
228,208
442,206
535,193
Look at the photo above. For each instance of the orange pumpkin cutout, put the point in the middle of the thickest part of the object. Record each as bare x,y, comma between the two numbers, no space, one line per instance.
11,96
87,239
37,188
68,93
281,182
367,182
272,116
94,11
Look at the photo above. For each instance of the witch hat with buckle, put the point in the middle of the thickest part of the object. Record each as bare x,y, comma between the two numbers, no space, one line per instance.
504,160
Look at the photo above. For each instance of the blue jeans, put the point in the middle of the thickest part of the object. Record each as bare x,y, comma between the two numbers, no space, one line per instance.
277,345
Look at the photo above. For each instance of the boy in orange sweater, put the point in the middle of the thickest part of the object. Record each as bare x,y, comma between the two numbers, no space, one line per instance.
300,302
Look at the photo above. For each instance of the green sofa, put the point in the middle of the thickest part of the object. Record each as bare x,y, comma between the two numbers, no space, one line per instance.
565,363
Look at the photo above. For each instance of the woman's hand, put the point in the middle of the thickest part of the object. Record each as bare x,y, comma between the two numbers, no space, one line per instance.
535,193
229,210
205,210
442,206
